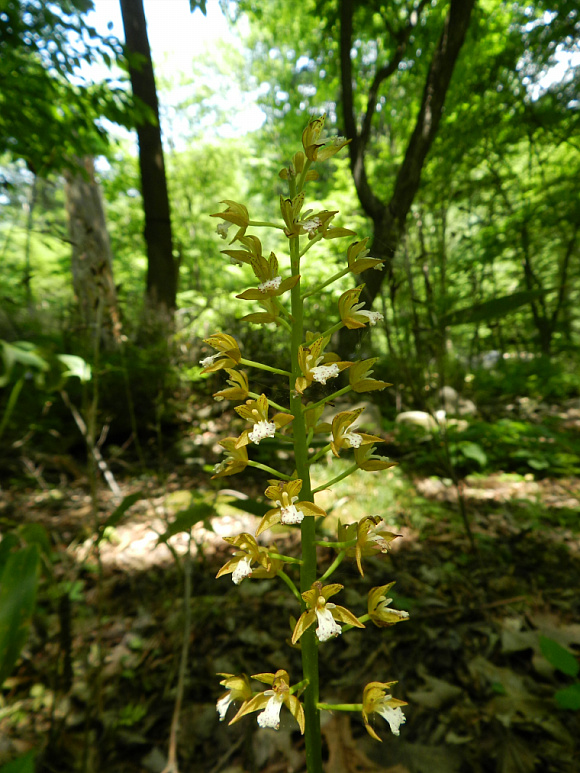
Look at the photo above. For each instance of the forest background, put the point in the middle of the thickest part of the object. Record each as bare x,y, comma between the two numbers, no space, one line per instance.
463,171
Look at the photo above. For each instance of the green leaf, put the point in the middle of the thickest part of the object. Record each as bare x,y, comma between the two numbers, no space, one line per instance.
76,367
252,506
9,541
473,451
118,513
186,519
193,4
497,307
17,599
569,697
559,657
24,764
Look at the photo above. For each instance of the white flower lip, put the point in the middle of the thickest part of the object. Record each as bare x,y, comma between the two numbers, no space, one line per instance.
322,373
291,515
328,628
270,717
394,717
353,438
242,570
223,704
223,229
262,429
205,363
270,284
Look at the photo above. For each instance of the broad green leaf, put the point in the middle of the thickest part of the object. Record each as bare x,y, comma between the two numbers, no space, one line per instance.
24,764
76,367
118,513
9,541
17,599
559,657
473,451
497,307
252,506
569,697
186,519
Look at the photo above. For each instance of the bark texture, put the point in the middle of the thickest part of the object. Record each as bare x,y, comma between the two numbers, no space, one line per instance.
389,217
162,267
92,265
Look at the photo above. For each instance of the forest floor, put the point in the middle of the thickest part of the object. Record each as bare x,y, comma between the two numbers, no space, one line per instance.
96,686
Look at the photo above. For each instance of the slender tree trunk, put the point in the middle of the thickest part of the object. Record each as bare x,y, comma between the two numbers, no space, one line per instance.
92,265
389,217
162,268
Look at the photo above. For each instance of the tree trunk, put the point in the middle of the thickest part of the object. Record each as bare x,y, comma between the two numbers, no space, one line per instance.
162,268
92,265
389,217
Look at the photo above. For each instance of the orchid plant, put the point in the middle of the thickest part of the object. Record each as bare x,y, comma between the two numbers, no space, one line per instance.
283,299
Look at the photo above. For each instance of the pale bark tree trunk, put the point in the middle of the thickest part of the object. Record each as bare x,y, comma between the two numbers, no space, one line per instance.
92,264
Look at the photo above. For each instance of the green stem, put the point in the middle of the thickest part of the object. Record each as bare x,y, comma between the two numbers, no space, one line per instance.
316,239
309,649
322,285
12,400
329,399
319,454
334,565
265,224
261,366
331,330
299,686
286,559
345,474
283,576
339,545
340,706
297,187
255,395
361,619
270,470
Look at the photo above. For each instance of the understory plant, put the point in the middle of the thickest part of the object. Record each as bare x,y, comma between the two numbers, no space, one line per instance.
284,300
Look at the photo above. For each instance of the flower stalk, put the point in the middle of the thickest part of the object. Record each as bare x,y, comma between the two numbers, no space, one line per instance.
283,296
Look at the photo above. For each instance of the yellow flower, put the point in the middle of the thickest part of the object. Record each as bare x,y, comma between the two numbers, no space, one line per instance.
252,249
378,607
296,167
366,459
271,283
350,312
357,258
270,702
359,377
272,313
235,214
290,209
256,411
316,147
239,386
228,353
249,553
319,223
316,366
318,609
288,510
235,461
311,136
376,700
369,539
311,418
237,688
344,435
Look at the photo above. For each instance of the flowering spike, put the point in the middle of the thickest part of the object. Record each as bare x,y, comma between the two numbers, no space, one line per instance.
377,700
